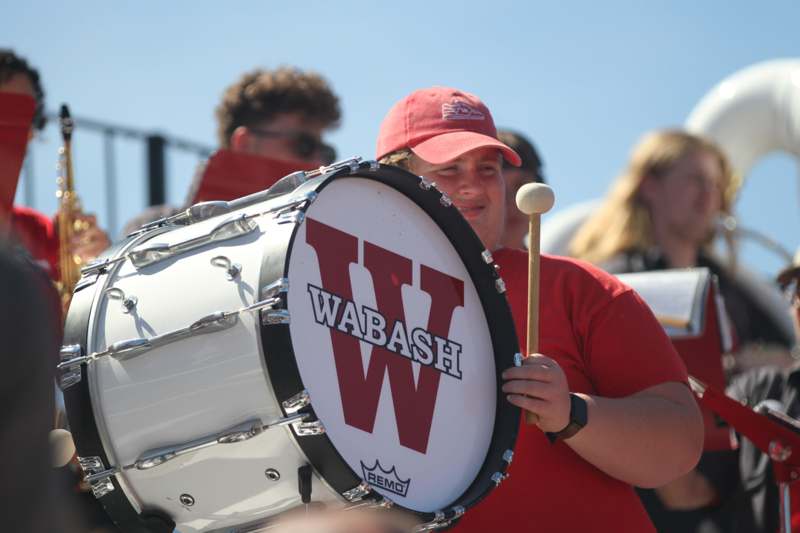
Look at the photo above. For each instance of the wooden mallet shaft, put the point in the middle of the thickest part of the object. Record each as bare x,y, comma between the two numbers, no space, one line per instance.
533,199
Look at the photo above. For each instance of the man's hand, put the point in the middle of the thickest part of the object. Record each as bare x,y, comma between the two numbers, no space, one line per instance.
540,386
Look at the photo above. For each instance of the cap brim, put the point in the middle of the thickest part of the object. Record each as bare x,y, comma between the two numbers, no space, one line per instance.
449,146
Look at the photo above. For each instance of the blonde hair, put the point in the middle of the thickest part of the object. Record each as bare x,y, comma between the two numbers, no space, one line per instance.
399,158
623,221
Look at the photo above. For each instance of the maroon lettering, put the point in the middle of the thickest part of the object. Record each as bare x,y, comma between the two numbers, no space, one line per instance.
414,403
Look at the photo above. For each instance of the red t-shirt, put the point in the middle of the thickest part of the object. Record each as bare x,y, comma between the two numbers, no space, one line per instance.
609,344
36,233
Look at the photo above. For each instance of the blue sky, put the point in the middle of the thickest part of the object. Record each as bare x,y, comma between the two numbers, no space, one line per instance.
583,79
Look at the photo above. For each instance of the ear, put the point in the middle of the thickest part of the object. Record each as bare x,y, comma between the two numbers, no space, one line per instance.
240,139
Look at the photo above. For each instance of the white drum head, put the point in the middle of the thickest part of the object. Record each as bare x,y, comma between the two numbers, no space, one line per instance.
392,343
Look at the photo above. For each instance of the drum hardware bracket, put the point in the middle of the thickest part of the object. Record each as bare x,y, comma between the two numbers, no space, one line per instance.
291,217
87,280
499,477
70,377
238,433
383,503
424,184
357,493
296,402
508,456
441,519
97,475
128,302
308,429
130,348
196,213
445,200
500,285
100,265
230,228
232,269
275,288
275,316
294,406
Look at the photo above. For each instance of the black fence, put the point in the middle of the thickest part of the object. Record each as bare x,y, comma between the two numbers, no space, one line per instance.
155,147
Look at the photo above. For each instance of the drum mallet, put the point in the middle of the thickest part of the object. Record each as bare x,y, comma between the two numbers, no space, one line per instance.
533,199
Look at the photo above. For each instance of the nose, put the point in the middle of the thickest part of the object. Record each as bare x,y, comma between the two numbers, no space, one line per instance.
470,183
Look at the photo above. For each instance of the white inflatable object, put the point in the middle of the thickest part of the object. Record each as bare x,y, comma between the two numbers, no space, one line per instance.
754,112
559,228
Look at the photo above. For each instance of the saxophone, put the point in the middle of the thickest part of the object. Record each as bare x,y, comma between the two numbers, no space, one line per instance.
69,208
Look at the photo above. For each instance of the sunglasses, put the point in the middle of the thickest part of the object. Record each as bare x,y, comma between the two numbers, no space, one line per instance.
304,145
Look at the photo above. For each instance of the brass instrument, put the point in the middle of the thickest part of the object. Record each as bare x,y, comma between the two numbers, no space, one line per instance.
69,208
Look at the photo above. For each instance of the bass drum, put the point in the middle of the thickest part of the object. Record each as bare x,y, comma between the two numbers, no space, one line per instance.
338,344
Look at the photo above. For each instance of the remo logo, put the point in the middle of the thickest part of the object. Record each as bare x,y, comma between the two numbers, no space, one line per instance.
394,345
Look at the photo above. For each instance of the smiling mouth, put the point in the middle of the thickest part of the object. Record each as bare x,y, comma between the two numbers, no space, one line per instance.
471,213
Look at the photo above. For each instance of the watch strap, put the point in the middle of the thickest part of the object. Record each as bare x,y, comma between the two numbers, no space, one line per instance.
578,417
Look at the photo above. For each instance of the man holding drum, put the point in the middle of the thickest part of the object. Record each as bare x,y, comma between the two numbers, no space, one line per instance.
613,406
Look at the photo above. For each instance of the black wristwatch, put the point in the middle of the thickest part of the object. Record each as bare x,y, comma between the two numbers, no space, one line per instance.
578,417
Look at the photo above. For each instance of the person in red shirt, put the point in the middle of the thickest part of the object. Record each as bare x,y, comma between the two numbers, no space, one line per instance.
30,228
611,395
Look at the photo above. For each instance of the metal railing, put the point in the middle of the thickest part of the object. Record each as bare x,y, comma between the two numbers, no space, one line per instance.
157,146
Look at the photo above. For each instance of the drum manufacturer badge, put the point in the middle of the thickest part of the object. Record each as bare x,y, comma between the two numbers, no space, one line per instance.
388,480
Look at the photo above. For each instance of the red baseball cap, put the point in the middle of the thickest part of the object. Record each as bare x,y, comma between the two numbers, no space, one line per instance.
440,124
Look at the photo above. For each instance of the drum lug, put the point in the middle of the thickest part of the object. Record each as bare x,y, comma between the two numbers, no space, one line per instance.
424,184
302,427
228,229
275,316
441,519
357,493
486,255
99,266
499,477
508,456
500,285
70,356
518,359
97,476
87,280
291,217
308,429
296,402
445,200
275,288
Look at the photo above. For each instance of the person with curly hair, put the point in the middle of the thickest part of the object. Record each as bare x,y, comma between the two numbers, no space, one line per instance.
280,114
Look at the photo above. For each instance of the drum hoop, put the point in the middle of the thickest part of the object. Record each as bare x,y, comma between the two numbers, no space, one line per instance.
285,376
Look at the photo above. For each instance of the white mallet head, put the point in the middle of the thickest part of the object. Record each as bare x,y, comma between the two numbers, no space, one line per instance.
62,447
535,198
